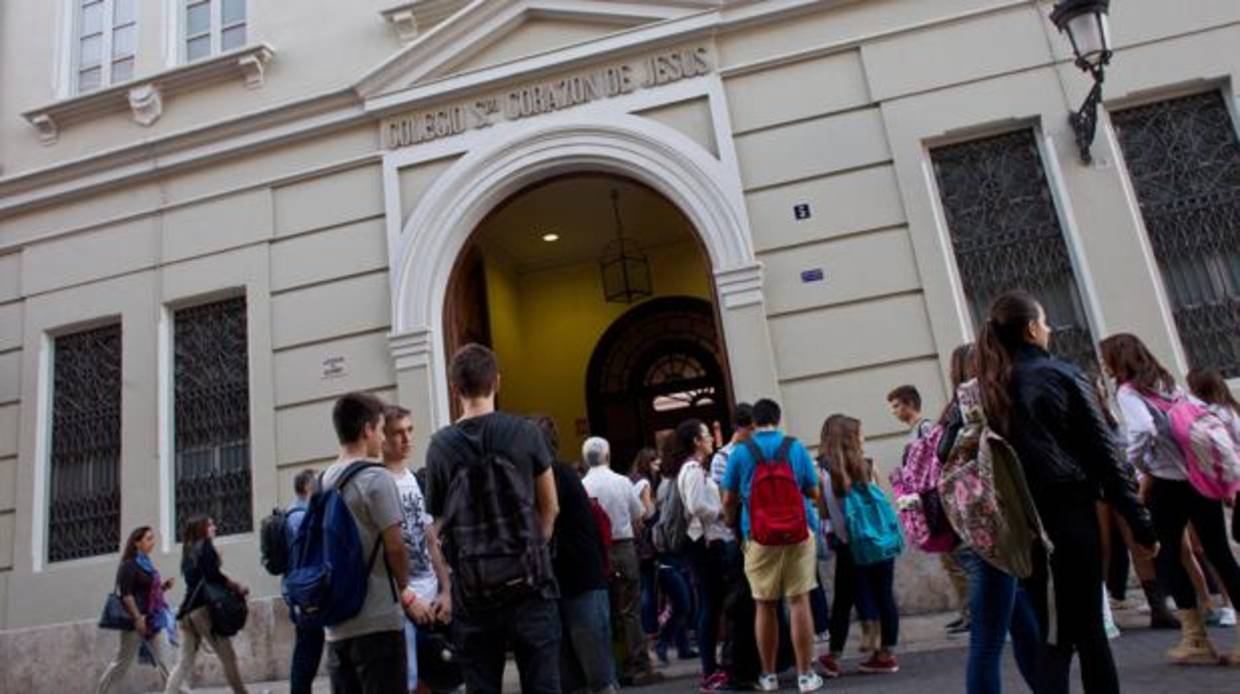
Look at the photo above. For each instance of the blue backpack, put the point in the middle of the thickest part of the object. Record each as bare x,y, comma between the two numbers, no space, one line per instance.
873,526
328,574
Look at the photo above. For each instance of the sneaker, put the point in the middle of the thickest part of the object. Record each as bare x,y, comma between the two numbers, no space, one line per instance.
718,681
809,682
961,626
880,664
955,625
830,665
1112,630
1227,617
767,682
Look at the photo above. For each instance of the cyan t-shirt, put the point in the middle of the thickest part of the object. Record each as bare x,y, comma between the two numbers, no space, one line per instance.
738,477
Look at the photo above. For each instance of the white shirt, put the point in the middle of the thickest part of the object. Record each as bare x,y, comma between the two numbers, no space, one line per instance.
703,507
719,463
1150,450
618,497
422,576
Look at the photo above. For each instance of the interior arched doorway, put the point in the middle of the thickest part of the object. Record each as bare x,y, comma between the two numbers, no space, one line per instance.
529,284
656,366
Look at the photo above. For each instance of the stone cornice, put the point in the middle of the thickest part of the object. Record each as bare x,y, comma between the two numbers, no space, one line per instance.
411,350
740,286
144,97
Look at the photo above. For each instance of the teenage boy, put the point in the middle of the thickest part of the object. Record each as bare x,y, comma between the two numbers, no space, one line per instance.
367,652
905,404
308,642
428,576
742,430
530,622
777,572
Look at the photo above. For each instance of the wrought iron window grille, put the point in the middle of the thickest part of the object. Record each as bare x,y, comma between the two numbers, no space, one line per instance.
84,512
211,415
1183,158
1006,235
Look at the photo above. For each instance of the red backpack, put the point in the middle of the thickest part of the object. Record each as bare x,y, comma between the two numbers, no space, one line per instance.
604,532
776,505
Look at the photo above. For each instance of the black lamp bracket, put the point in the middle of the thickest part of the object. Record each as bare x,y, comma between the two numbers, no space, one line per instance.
1084,121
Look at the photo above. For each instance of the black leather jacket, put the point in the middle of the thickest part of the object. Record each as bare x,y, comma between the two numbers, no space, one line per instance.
1062,437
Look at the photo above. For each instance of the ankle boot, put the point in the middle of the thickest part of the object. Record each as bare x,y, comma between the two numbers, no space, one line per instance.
1233,658
1160,616
1194,647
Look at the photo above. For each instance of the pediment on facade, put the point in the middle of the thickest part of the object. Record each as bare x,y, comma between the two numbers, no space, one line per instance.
486,33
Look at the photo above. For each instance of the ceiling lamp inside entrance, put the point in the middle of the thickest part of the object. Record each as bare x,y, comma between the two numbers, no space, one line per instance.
625,268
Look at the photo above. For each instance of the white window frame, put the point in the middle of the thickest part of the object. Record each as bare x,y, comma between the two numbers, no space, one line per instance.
72,70
178,15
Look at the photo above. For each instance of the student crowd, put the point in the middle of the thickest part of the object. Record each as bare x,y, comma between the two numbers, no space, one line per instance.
1027,485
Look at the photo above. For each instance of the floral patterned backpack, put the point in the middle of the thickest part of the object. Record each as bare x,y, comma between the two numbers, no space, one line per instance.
984,493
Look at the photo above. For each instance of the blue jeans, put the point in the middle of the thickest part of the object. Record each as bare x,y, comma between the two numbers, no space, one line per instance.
307,652
411,654
707,562
674,586
650,596
875,589
997,605
585,643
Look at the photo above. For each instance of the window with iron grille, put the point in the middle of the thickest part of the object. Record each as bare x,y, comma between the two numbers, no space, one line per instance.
1184,160
84,517
1006,235
211,415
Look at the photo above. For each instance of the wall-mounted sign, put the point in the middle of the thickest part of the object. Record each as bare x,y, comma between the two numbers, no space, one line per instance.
801,211
814,275
335,367
548,96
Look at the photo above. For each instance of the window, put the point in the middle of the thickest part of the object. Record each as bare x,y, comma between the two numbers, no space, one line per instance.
213,26
106,39
84,518
1184,160
211,415
1005,234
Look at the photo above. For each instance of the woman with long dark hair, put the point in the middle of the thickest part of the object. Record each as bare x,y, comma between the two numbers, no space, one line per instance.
689,451
643,473
868,588
1144,385
671,575
998,606
1046,409
200,564
141,589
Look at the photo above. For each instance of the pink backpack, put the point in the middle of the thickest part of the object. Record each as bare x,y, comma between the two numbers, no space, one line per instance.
1211,456
915,486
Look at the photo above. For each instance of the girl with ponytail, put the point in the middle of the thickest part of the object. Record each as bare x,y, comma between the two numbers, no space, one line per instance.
1145,387
1047,410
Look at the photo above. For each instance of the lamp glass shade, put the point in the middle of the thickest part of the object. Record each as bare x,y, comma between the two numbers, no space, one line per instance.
1090,33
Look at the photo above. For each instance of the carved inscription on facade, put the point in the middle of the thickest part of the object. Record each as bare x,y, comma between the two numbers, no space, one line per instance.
546,97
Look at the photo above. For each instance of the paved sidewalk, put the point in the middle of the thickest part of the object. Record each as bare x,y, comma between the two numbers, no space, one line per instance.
932,661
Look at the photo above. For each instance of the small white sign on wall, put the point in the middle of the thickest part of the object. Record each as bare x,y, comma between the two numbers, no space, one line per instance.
335,367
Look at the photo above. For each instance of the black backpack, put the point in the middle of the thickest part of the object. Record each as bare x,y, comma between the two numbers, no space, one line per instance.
274,542
491,534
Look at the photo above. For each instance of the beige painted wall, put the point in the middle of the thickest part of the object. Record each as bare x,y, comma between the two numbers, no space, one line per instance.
833,109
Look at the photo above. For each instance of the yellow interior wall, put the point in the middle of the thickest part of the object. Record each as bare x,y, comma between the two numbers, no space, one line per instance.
545,325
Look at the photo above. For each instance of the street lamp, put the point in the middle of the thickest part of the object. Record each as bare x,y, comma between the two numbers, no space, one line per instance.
1085,23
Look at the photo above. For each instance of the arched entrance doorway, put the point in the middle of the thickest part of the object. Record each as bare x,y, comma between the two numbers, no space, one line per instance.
656,366
530,284
425,245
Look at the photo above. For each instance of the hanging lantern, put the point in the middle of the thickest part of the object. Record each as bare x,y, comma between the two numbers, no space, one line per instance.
626,270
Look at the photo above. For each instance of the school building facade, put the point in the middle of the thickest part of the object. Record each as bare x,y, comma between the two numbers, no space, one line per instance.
216,216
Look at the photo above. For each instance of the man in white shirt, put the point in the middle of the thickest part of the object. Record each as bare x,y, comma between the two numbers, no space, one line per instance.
742,429
428,574
619,499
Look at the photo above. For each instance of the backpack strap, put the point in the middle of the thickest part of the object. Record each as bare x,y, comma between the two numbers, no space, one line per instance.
755,451
345,477
784,447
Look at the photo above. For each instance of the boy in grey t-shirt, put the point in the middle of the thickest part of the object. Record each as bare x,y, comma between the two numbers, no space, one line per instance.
367,652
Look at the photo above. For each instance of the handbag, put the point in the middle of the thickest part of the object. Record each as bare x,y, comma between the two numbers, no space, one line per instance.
115,616
226,608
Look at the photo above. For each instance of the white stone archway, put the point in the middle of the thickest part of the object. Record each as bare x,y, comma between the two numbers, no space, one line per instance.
707,192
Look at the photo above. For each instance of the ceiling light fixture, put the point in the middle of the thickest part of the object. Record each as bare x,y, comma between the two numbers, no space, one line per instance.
550,237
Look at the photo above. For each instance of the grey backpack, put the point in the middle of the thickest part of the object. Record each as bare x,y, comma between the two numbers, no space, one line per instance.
671,531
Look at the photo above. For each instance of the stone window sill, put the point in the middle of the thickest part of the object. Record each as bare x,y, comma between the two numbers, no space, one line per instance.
144,96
